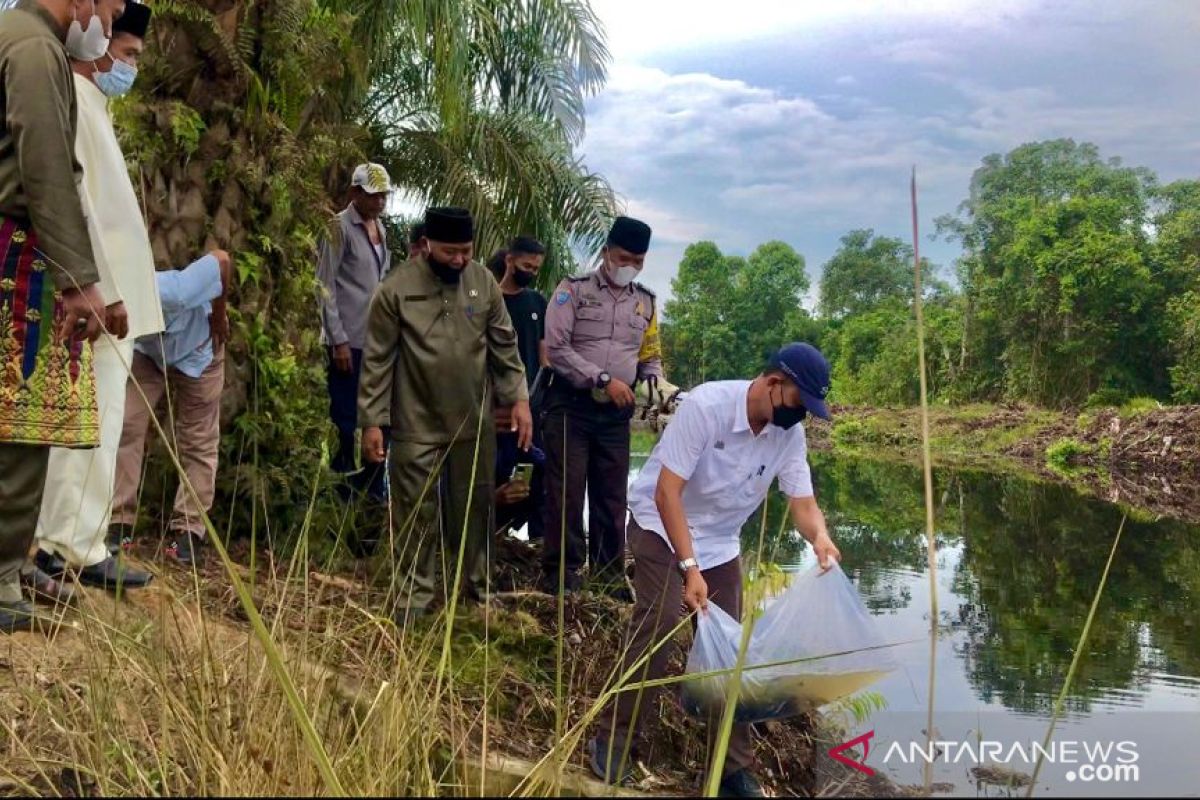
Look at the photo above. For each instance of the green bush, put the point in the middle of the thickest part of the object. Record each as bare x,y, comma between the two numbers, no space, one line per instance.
1140,405
849,431
1106,397
1062,453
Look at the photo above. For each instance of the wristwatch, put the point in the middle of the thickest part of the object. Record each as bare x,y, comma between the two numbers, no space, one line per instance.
602,380
687,564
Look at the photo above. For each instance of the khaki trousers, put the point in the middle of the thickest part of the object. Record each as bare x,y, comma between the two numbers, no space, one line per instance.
78,499
658,609
429,510
195,432
22,478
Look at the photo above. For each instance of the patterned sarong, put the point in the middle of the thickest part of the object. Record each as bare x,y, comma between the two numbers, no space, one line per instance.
47,390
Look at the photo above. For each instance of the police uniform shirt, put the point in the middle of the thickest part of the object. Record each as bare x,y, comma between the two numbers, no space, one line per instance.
593,326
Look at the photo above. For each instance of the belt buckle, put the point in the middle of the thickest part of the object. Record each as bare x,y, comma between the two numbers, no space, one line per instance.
600,396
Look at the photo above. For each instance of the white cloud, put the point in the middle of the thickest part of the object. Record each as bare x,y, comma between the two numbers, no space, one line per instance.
700,147
919,52
804,150
638,27
668,226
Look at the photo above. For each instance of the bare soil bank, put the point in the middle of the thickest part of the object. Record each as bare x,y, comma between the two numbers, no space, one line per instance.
1147,458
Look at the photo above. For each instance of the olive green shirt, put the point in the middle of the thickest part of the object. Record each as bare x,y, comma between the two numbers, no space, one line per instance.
432,349
39,176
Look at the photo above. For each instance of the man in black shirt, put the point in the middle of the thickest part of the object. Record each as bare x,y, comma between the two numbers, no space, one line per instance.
527,308
516,269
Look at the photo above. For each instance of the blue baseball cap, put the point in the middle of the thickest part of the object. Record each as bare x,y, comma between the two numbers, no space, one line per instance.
809,370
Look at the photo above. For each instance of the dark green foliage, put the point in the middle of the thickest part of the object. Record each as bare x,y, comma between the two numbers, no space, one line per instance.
729,314
1061,297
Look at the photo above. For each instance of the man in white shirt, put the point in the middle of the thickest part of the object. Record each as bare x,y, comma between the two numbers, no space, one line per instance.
79,489
713,467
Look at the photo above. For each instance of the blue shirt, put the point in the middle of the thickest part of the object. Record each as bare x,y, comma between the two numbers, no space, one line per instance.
187,296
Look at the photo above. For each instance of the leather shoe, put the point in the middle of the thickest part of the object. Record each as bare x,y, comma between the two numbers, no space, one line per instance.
549,584
610,764
50,564
42,586
22,616
112,574
740,784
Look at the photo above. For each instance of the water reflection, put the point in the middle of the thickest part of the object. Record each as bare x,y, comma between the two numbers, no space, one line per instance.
1018,562
1026,562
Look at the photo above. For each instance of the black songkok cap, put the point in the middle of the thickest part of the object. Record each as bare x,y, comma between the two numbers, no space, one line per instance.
135,20
630,234
449,225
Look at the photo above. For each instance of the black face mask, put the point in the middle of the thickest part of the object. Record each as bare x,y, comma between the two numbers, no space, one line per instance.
785,416
522,278
445,272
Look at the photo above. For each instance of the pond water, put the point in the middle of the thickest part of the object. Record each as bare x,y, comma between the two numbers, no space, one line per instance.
1017,567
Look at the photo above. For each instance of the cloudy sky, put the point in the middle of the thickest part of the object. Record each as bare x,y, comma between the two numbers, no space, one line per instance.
743,121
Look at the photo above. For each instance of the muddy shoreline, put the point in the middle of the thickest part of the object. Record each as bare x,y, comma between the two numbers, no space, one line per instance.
1147,459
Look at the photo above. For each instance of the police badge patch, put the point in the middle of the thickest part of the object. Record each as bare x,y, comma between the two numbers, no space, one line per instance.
562,297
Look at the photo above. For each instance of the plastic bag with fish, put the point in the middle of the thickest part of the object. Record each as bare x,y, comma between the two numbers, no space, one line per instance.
811,645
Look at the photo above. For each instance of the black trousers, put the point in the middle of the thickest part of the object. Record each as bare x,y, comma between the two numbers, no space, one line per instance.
587,451
343,410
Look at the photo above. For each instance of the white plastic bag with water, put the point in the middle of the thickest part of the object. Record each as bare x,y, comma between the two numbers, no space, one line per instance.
818,641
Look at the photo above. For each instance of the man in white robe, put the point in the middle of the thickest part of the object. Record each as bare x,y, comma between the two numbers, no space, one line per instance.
78,497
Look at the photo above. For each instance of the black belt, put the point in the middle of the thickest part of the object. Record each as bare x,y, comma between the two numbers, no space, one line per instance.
562,394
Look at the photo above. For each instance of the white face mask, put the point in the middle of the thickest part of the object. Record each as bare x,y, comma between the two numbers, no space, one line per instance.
89,45
623,276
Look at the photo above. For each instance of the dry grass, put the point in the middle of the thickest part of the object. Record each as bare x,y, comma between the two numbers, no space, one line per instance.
169,692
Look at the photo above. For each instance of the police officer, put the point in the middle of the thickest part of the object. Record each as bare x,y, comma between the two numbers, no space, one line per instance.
601,339
439,343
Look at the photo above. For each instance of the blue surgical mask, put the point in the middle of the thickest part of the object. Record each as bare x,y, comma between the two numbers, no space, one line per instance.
118,80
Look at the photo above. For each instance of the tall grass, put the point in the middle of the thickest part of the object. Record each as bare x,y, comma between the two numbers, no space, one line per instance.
927,472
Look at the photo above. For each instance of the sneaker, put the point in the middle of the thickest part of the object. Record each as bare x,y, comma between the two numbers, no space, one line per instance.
186,548
740,784
118,538
605,759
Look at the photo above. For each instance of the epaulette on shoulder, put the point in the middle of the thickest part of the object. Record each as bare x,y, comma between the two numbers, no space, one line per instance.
578,278
645,289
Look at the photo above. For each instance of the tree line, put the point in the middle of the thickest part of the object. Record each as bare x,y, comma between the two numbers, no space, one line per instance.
1079,284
